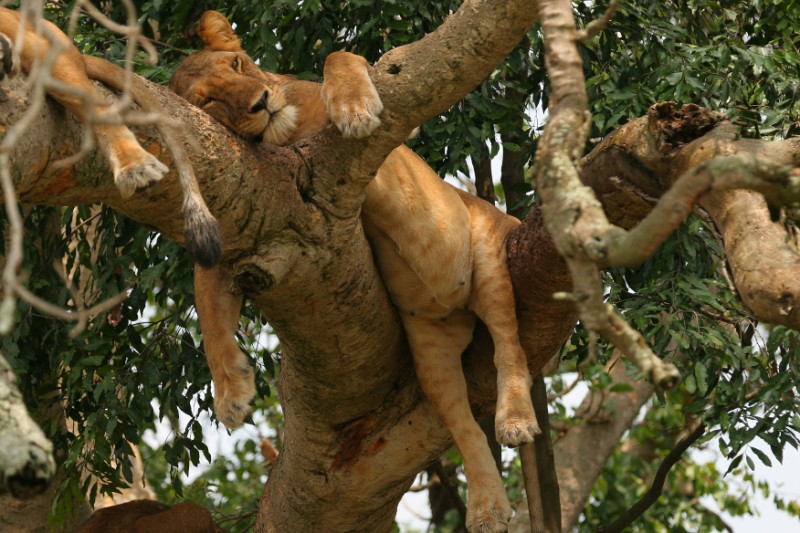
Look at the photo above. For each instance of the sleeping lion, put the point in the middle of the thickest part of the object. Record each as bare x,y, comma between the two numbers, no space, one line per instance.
440,251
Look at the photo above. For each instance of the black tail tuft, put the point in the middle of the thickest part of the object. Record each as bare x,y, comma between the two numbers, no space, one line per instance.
203,238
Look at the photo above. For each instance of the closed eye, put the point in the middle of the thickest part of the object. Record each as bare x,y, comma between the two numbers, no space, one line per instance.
205,101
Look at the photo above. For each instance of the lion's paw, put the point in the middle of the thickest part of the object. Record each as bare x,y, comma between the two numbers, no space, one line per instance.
356,111
486,514
358,121
139,175
235,392
517,426
7,65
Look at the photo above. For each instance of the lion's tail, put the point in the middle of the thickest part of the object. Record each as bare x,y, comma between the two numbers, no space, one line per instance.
201,230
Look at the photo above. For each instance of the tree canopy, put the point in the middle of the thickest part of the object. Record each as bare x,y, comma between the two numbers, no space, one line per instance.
143,361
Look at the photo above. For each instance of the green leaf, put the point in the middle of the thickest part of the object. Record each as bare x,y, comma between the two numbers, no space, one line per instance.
761,456
701,377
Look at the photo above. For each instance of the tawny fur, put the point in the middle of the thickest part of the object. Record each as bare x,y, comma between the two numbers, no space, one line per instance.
441,253
148,516
133,167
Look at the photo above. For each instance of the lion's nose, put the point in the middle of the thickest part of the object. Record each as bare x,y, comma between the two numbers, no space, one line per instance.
261,104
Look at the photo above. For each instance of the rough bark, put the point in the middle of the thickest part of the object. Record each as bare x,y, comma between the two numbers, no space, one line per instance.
26,456
645,157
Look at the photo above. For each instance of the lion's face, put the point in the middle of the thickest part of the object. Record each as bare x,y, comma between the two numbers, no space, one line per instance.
230,87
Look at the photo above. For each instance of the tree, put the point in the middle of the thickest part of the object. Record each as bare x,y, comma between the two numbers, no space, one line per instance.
346,458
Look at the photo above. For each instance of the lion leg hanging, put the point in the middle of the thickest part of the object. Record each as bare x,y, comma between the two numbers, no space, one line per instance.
437,347
493,302
218,312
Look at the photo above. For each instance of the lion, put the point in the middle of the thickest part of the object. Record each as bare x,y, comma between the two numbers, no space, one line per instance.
440,251
134,168
147,516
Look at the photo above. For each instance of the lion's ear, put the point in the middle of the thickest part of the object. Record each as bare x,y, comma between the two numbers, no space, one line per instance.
217,34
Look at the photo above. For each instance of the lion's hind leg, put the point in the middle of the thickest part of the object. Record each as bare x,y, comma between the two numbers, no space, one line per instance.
134,168
493,302
437,346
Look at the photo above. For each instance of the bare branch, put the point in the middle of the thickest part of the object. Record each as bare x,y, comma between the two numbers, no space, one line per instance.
653,152
657,486
572,213
81,315
779,184
596,26
450,489
530,473
539,471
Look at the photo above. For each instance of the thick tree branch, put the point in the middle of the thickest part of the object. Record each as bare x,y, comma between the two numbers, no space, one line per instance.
573,215
640,161
776,182
582,452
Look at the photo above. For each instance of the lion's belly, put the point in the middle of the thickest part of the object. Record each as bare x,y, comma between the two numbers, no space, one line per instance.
420,232
433,290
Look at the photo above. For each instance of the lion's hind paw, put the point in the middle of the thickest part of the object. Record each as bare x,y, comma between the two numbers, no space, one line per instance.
514,431
492,518
139,175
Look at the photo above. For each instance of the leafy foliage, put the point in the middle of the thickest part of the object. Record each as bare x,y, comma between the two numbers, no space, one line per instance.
108,376
739,57
736,380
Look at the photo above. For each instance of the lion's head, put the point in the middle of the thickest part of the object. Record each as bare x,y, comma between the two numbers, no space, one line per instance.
226,83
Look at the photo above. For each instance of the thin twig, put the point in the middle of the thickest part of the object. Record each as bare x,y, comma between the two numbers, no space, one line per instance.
450,489
703,509
569,388
81,316
596,26
40,81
